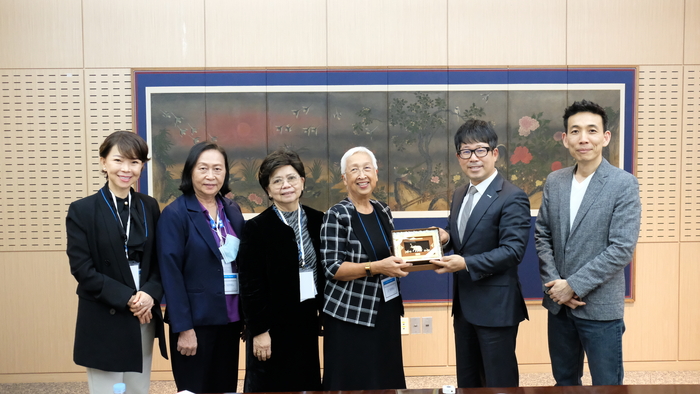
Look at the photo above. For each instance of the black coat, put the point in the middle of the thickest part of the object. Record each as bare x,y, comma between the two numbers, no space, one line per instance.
107,334
268,263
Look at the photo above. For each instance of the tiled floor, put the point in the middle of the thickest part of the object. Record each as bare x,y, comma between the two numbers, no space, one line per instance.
415,382
546,379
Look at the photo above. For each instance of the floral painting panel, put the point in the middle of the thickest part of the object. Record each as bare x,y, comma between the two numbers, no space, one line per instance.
358,119
418,151
490,106
178,122
298,121
237,122
534,139
410,132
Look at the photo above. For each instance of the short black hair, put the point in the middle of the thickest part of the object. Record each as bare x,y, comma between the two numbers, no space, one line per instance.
186,186
584,106
474,131
279,158
129,144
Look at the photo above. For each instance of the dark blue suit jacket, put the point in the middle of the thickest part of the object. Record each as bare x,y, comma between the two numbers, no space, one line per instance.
190,264
493,245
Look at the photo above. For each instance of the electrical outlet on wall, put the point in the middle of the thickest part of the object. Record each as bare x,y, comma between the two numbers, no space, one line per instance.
404,326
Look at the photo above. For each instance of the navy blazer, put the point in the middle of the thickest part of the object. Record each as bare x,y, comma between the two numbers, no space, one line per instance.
190,264
494,243
107,334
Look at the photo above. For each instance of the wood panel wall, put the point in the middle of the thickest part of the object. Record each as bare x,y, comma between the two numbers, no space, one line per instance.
65,83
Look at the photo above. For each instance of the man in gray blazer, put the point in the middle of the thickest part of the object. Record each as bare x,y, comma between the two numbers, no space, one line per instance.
585,235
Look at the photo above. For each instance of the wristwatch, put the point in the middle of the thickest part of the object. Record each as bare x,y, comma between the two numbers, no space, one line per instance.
368,268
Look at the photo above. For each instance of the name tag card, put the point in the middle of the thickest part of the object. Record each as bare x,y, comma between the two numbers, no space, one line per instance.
307,288
390,287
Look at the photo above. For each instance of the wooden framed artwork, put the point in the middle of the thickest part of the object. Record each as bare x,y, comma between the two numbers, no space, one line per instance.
417,246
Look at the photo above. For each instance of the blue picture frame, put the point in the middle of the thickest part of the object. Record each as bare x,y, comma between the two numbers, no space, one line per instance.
540,93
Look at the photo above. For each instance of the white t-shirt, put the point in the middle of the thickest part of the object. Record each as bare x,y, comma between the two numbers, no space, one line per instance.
578,190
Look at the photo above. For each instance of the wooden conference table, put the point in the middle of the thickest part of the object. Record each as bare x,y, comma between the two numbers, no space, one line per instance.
638,389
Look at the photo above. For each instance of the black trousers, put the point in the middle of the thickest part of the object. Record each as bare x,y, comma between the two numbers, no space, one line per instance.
214,368
485,355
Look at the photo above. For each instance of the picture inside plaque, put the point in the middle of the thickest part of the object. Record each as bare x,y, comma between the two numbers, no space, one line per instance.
419,245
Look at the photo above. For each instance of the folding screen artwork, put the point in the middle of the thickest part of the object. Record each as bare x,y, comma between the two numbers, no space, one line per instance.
407,117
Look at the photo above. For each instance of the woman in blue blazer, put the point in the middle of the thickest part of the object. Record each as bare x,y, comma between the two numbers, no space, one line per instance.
111,250
197,249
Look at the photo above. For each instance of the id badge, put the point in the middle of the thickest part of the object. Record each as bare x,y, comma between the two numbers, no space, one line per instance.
230,278
135,268
231,283
229,250
307,288
390,286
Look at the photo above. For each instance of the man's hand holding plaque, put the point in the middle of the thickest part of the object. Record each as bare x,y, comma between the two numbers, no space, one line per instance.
451,263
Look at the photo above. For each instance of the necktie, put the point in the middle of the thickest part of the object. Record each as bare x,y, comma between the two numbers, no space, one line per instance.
466,211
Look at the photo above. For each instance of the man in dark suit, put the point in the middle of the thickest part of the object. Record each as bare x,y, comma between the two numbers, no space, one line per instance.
488,231
585,234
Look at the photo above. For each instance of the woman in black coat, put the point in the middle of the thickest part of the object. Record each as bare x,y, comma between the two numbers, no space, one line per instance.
281,283
112,256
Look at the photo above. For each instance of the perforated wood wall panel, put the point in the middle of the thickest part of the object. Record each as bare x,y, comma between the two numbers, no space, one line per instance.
43,156
690,194
659,150
108,107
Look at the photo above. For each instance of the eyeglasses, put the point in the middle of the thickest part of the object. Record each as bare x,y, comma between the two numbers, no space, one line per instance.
479,152
291,179
356,170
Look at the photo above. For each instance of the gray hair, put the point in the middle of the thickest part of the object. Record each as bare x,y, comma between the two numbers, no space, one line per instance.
351,152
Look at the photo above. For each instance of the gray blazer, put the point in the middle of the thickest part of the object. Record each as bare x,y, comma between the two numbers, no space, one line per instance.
593,254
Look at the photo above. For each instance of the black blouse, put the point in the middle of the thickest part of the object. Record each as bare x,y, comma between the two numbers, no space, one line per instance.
376,235
137,234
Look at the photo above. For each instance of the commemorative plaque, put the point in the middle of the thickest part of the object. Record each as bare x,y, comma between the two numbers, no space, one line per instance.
418,246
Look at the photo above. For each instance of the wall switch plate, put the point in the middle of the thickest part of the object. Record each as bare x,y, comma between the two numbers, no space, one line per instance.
415,325
404,326
427,325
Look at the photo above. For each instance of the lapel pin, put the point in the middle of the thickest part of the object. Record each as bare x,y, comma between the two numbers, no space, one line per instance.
489,195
